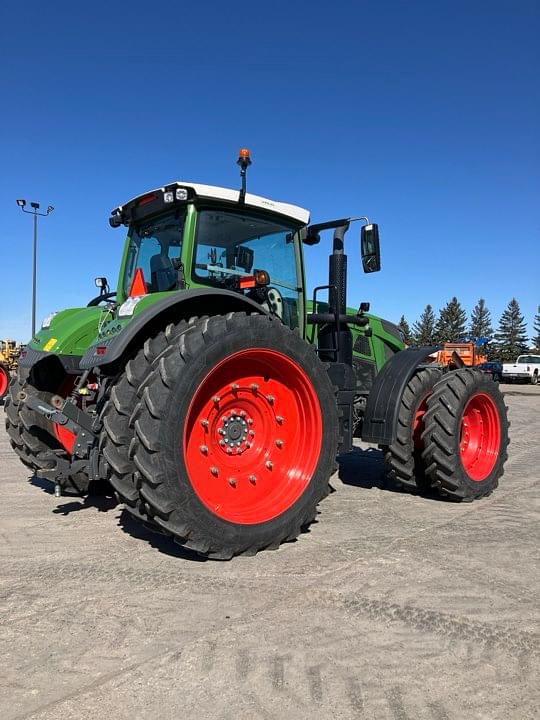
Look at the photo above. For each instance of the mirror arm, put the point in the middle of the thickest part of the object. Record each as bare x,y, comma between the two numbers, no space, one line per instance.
339,237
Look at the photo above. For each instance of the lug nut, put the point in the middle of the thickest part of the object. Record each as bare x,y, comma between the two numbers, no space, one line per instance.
229,451
248,445
240,451
254,387
222,443
235,387
204,423
250,421
270,399
216,399
253,479
214,471
204,449
243,413
221,431
279,443
279,419
232,482
269,464
251,433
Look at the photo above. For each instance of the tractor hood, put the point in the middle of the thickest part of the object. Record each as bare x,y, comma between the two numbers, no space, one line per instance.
69,333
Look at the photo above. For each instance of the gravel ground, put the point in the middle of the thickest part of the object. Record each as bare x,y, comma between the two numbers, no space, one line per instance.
393,606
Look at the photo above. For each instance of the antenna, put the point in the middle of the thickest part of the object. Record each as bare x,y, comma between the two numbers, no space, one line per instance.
244,160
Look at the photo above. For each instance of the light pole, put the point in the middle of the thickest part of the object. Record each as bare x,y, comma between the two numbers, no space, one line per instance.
34,211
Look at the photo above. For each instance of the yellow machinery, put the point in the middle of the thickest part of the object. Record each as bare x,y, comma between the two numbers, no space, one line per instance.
9,358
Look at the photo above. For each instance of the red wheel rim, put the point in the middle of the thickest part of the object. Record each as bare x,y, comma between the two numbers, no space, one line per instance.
480,438
4,381
253,436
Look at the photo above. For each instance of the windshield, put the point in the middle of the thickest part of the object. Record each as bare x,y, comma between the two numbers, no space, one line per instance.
230,246
155,247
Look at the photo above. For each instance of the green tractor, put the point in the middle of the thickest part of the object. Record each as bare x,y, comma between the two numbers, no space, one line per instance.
215,397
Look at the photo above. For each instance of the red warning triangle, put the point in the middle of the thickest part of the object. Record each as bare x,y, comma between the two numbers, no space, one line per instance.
138,286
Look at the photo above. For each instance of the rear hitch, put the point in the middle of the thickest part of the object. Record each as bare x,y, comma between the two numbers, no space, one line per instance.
65,413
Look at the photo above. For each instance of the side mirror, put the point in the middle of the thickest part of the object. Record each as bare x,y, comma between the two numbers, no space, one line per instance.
371,252
102,284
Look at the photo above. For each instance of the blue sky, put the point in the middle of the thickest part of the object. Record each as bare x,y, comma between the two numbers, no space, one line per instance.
424,116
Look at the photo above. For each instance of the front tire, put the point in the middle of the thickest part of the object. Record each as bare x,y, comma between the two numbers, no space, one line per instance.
236,436
465,435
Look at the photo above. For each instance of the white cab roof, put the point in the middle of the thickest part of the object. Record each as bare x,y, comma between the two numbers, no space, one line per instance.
220,193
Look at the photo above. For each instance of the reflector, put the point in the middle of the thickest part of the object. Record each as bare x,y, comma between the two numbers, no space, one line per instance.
138,286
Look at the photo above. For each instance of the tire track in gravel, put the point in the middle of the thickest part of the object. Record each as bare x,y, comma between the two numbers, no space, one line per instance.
516,642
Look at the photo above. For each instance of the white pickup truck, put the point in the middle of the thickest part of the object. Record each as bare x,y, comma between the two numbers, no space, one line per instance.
525,369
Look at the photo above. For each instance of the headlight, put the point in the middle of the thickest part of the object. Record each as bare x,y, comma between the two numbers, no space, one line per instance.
128,306
48,320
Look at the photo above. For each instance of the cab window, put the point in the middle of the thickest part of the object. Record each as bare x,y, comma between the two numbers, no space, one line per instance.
155,247
231,245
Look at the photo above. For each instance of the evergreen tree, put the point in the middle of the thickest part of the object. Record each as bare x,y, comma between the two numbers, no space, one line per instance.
406,330
451,324
536,338
511,336
424,329
481,321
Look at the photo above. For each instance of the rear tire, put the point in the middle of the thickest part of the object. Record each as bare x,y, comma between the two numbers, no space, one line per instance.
236,383
403,457
465,435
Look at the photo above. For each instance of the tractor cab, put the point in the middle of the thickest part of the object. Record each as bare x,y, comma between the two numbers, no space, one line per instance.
187,236
206,242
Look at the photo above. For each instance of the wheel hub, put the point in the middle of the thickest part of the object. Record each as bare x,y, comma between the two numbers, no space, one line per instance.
234,431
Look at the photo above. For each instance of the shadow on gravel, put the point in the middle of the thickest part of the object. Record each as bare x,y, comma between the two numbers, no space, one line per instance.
101,503
100,498
365,469
162,543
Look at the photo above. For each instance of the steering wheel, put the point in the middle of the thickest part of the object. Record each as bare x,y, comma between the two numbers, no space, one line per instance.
101,298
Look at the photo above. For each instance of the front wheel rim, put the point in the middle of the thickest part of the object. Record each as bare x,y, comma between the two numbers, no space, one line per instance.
248,453
480,437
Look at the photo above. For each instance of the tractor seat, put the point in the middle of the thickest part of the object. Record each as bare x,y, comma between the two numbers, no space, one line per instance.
163,275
